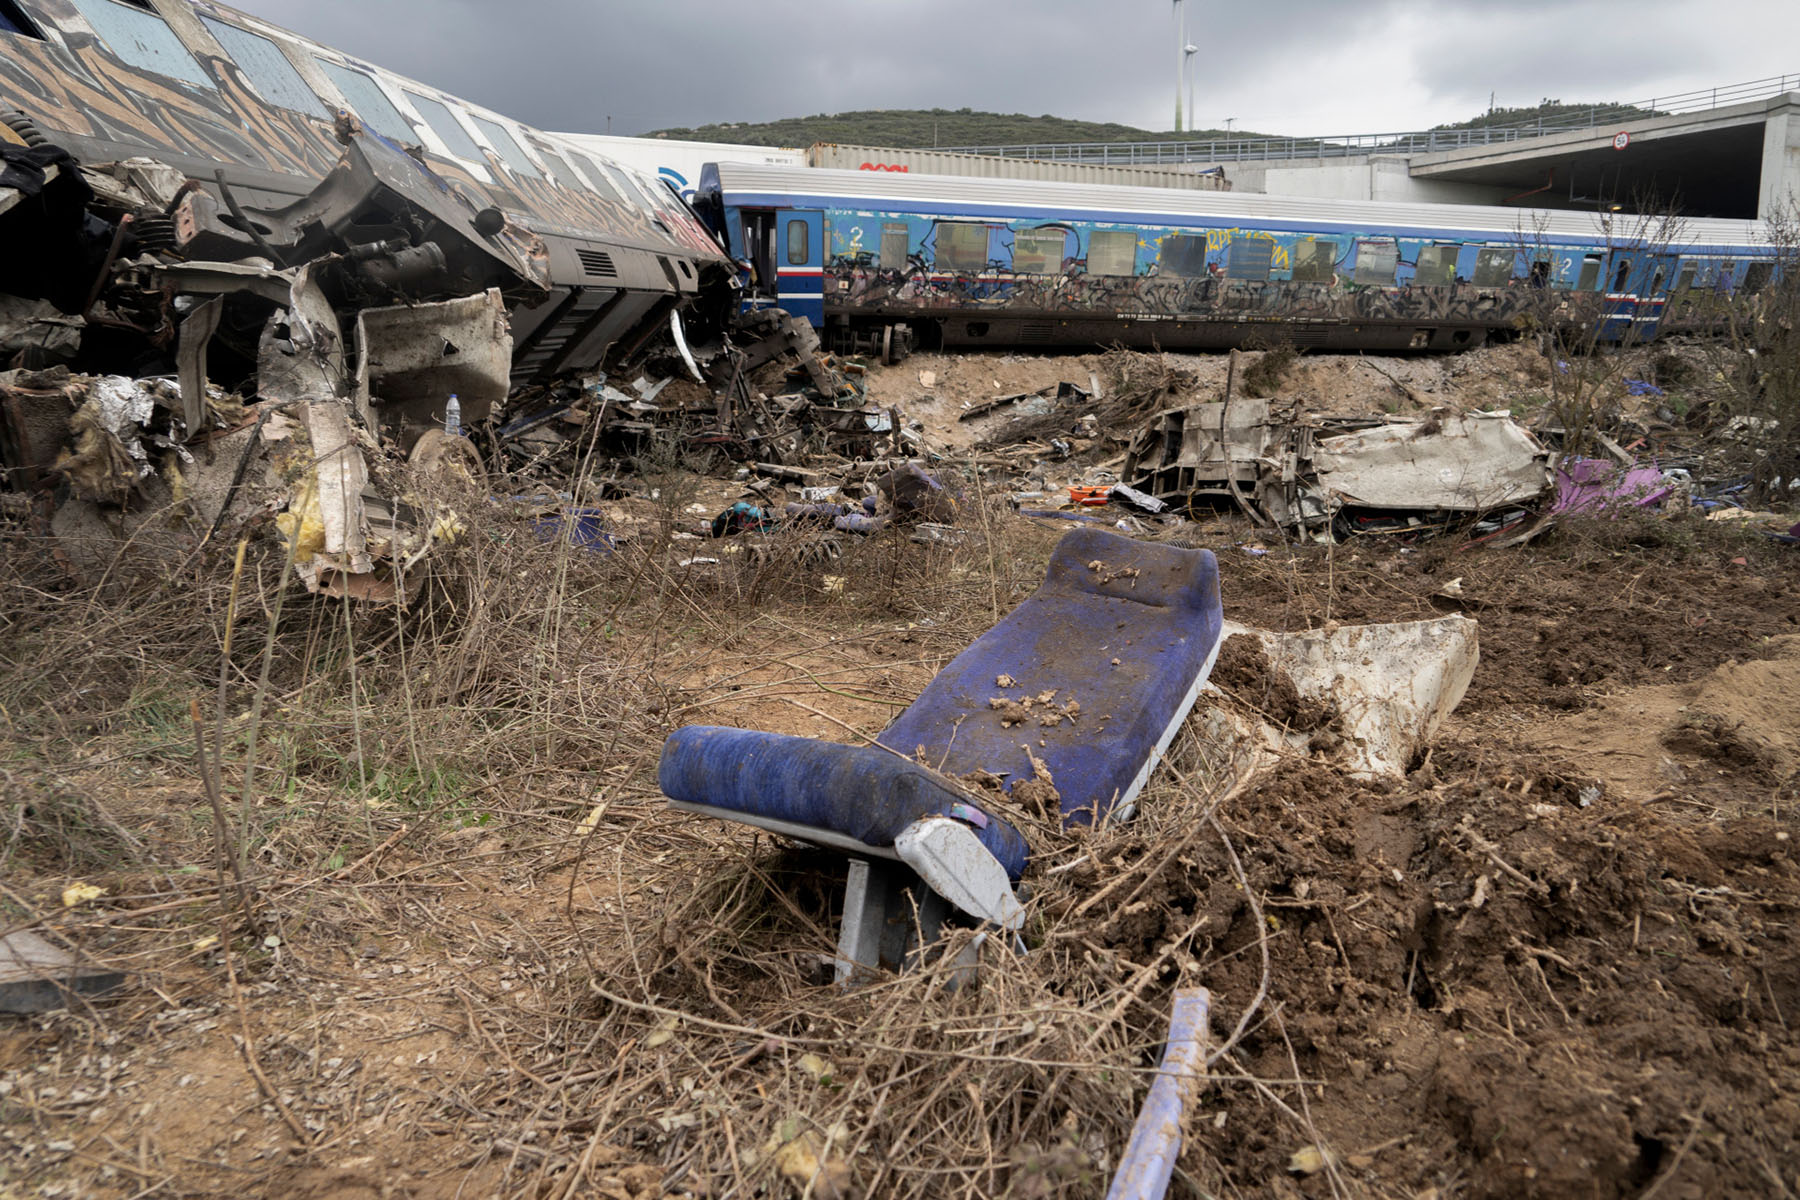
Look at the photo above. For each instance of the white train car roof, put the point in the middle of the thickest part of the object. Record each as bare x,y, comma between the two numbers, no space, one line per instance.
663,155
743,183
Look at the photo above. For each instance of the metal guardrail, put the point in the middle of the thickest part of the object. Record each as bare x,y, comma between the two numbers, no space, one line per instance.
1424,142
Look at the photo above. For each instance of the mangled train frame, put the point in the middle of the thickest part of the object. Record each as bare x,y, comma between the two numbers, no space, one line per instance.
191,192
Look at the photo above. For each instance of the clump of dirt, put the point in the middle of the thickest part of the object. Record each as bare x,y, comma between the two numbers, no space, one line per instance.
1244,670
1264,377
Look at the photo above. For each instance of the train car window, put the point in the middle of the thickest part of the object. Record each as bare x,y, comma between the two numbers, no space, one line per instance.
1684,279
1182,255
266,67
141,39
622,181
443,122
1757,276
1727,272
1437,266
14,20
1589,278
895,242
1376,263
559,170
1494,266
1250,258
1112,252
1039,251
661,195
797,249
1315,260
507,148
961,248
370,104
1621,275
598,178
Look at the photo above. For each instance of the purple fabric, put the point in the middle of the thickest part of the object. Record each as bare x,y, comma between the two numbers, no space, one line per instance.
1591,484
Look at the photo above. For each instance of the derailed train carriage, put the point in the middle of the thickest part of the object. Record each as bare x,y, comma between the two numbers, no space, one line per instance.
252,112
190,192
992,262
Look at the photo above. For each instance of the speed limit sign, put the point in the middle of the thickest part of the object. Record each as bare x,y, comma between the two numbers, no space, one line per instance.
1621,140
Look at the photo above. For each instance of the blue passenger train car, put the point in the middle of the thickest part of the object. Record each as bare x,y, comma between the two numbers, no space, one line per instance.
966,261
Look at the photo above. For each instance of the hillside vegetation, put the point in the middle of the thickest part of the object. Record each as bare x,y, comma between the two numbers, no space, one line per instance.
1553,112
912,128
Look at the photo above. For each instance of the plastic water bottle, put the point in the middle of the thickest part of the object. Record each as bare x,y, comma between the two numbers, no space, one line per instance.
453,415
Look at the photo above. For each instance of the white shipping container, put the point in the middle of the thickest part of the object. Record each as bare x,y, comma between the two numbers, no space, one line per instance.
678,163
830,155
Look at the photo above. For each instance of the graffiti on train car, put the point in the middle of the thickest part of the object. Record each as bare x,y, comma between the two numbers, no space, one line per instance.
856,281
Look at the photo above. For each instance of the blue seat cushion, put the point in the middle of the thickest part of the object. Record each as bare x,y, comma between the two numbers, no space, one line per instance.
1091,675
862,792
1128,630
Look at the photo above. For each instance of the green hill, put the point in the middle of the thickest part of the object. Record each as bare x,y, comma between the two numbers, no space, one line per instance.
1554,112
924,128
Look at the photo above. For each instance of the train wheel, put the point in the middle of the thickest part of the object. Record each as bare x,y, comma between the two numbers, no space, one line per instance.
887,345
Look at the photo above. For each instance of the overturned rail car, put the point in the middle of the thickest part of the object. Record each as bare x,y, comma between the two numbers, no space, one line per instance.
974,262
591,258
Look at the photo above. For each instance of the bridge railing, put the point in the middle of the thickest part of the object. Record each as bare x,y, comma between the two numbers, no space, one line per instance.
1255,146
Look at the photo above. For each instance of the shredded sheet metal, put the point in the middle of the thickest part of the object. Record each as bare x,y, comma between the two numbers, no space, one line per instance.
1461,463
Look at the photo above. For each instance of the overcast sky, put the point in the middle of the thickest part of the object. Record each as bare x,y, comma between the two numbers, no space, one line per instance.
1278,66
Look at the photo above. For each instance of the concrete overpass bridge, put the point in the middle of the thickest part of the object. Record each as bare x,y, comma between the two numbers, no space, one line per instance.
1724,152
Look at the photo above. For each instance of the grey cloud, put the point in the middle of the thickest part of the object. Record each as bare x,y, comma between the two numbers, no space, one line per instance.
1317,65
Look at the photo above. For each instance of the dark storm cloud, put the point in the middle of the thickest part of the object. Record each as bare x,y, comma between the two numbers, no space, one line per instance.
1288,65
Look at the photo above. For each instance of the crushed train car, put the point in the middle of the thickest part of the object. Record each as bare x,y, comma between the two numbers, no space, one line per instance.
236,221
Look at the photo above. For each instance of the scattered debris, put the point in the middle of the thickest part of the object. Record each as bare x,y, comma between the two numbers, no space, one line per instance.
35,976
1334,477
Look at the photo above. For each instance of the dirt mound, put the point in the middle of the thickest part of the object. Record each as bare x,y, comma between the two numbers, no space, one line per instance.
1245,671
1518,997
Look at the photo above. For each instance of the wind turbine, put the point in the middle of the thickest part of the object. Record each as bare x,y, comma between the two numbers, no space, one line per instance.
1180,58
1187,52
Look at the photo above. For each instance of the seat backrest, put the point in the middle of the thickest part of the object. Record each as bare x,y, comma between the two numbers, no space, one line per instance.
1091,675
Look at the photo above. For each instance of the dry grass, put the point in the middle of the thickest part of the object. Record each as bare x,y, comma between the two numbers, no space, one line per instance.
453,817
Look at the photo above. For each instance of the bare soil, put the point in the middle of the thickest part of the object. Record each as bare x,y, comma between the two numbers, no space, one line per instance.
1557,958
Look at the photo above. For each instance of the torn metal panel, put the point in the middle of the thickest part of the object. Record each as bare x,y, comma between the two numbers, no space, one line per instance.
1203,447
300,357
1457,463
190,360
412,358
403,225
36,976
224,278
325,518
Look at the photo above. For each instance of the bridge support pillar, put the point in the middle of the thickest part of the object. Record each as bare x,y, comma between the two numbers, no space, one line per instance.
1780,160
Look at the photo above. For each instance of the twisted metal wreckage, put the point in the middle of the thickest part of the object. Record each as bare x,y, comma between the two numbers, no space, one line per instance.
286,360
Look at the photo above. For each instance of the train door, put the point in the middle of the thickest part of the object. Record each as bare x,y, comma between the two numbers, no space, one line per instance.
1656,274
800,266
759,250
